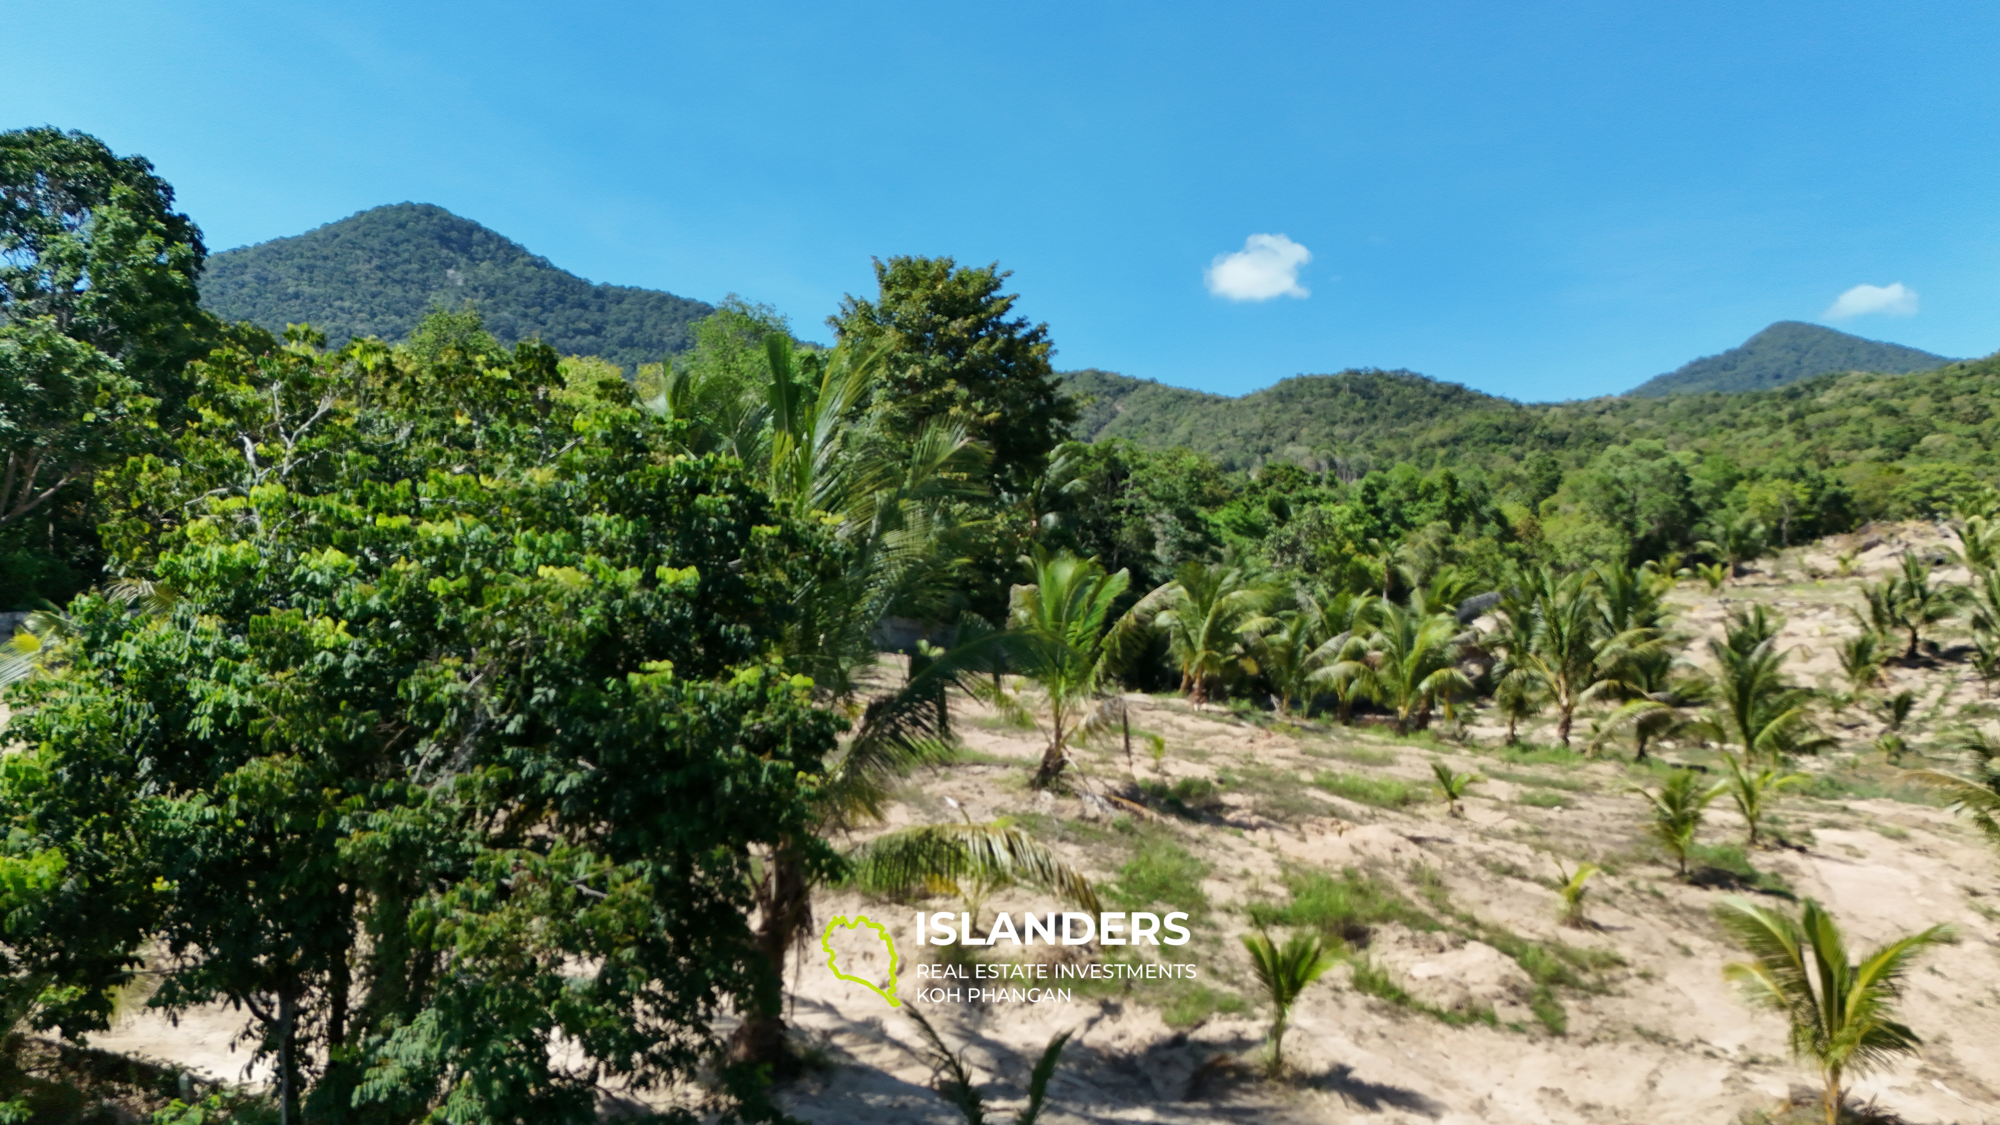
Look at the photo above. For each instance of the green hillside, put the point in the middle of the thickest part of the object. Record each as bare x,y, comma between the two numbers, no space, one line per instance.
1785,353
375,273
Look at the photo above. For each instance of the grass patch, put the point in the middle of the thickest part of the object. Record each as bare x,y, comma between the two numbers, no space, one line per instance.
1163,872
1273,793
1542,781
1541,799
1342,906
1836,785
1372,980
1186,797
1732,859
1382,792
1191,1002
1529,755
1359,755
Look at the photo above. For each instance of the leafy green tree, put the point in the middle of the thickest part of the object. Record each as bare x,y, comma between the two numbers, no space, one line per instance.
1644,492
1842,1013
453,689
1677,811
956,356
1407,664
1285,972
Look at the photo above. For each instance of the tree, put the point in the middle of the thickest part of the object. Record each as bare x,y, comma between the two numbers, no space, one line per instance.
1208,612
1677,813
464,717
1921,603
1842,1013
1285,971
954,356
1407,664
1069,643
1749,789
1976,797
98,311
1558,641
1761,712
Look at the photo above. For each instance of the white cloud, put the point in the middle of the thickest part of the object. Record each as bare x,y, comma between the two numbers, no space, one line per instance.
1266,267
1891,300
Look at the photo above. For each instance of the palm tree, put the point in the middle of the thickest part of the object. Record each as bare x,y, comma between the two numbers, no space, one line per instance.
1653,697
1761,712
1749,789
1977,797
1919,602
1861,660
1677,813
1285,655
1285,972
1407,664
1207,612
1737,541
967,860
1067,641
1573,890
1557,640
1453,786
1518,700
1842,1013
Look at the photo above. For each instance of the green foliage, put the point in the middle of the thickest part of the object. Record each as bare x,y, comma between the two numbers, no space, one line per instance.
1163,873
1787,352
379,272
1452,786
1069,643
1573,890
954,356
1341,906
1976,797
953,1079
1842,1013
439,672
1382,792
1285,971
1677,813
1750,788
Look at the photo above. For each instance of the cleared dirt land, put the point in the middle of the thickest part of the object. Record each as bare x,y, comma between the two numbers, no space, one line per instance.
1460,997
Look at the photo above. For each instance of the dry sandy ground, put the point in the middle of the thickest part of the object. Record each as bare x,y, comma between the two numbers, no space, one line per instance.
1653,1035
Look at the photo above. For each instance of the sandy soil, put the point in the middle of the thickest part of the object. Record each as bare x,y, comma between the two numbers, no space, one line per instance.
1651,1034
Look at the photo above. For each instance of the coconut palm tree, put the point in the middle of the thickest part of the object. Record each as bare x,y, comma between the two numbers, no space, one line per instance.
1208,612
1921,603
1861,660
1068,640
1285,971
1677,813
1749,788
1573,891
967,860
1557,639
1285,655
1453,787
1407,664
1977,797
1759,710
1737,541
1842,1012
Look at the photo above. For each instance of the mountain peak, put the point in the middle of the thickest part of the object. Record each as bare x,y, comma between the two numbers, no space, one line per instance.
1787,352
376,273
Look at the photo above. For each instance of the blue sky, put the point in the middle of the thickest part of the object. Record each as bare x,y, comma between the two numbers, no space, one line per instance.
1542,200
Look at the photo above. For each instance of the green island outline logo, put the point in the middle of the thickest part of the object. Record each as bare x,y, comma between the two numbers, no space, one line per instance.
826,944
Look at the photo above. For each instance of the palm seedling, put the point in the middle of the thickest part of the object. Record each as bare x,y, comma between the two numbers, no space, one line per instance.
1895,711
1285,971
1574,888
1861,660
952,1078
1453,786
1749,791
1842,1013
1977,797
1678,809
1713,575
1067,641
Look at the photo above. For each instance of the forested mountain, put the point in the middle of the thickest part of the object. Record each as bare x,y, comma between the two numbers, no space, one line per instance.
375,274
1785,353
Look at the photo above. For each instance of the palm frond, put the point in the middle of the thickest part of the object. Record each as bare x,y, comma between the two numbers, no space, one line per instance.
901,861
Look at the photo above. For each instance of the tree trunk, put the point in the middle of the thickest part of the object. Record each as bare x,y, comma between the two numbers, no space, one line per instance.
1565,716
784,903
288,1063
1833,1096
